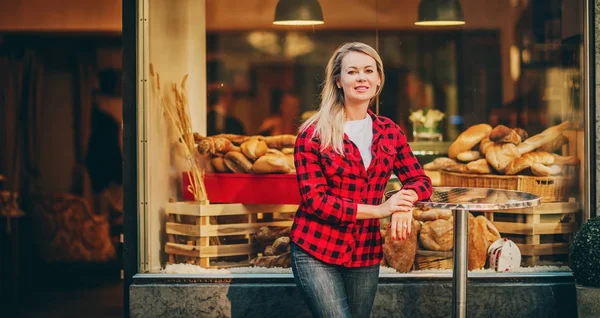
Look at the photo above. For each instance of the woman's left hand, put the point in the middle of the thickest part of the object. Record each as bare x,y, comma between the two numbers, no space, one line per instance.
401,225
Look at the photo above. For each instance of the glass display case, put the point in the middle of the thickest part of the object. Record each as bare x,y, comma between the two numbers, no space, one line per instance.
207,67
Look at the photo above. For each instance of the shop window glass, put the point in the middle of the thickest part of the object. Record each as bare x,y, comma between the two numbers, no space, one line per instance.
514,63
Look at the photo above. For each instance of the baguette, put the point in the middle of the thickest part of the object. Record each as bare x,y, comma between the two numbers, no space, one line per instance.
541,170
565,160
439,164
542,138
468,139
554,145
280,141
214,145
527,160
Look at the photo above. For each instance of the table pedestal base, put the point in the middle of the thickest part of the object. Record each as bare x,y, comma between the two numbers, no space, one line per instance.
460,263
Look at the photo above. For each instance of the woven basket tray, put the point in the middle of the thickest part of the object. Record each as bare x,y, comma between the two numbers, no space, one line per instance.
549,189
433,260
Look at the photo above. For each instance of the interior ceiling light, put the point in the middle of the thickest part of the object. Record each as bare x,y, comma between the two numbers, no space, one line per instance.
298,12
440,13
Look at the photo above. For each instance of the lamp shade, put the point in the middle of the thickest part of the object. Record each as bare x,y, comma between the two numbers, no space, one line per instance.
298,12
440,13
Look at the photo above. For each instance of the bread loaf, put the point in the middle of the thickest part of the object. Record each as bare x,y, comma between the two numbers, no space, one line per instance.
219,165
398,254
482,233
565,160
480,166
456,167
254,148
468,139
290,161
439,164
281,245
437,235
522,133
500,155
468,156
271,164
288,151
431,214
485,145
541,170
503,134
525,161
554,145
236,139
542,138
237,162
267,234
213,145
283,260
280,141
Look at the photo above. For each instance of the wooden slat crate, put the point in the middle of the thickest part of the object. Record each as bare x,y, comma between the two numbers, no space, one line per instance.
543,233
219,235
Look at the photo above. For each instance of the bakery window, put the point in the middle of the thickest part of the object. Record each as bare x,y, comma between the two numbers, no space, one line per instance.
496,103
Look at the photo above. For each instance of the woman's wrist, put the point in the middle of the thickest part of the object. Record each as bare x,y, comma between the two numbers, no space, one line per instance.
366,211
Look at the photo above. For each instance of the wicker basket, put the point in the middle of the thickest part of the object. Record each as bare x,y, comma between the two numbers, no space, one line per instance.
549,189
433,260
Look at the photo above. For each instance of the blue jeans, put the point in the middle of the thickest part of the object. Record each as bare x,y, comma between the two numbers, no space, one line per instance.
331,290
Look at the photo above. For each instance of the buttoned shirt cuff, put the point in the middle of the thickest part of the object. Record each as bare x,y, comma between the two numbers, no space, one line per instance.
349,212
417,190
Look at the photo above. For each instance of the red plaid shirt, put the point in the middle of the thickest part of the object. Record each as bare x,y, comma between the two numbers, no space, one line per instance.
331,187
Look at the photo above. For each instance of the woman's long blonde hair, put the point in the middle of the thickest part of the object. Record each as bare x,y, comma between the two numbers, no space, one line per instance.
329,119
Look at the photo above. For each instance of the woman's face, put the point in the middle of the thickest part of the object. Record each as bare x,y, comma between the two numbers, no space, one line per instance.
359,78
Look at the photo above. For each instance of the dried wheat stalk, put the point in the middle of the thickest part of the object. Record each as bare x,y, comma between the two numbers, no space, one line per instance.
174,104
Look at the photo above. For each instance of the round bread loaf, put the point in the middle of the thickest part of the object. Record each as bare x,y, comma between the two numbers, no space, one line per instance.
219,165
237,162
271,164
468,139
254,148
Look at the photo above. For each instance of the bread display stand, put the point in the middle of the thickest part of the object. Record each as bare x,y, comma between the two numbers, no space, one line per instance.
194,237
542,233
219,233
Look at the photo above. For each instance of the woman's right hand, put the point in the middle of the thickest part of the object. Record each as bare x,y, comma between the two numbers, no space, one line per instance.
399,202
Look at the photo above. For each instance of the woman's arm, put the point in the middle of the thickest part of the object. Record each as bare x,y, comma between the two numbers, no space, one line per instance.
313,189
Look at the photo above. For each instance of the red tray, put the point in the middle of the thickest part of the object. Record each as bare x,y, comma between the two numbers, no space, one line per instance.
248,188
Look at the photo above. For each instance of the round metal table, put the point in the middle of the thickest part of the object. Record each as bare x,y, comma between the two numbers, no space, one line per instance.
461,201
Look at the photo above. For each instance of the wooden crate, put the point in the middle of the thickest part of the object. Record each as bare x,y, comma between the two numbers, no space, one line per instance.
543,233
219,235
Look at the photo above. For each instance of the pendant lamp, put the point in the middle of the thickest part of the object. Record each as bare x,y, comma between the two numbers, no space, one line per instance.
298,12
440,13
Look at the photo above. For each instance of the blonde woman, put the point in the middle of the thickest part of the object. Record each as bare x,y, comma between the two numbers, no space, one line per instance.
344,156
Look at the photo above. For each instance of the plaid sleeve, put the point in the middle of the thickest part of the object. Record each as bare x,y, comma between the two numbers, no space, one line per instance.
409,170
313,185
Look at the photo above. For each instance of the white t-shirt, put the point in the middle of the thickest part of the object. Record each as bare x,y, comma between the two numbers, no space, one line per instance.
360,133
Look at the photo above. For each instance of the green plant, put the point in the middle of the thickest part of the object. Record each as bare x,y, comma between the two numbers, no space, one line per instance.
585,254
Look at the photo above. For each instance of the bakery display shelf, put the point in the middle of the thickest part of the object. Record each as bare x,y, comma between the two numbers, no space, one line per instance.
541,233
219,235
